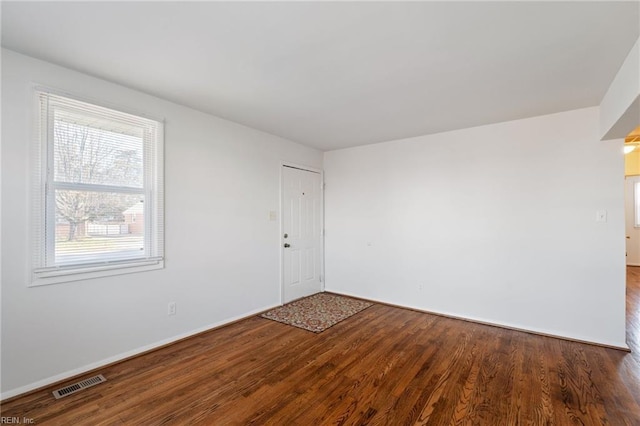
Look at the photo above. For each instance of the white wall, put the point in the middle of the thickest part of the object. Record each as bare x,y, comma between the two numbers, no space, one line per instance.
222,251
497,223
620,106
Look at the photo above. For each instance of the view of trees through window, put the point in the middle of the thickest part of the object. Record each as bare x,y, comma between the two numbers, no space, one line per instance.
98,178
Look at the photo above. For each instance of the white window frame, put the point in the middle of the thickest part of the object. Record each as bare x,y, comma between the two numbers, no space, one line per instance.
43,269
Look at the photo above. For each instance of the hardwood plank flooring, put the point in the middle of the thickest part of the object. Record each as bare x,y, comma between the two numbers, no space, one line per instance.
385,365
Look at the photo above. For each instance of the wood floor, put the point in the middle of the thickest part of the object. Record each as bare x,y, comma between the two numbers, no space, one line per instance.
385,365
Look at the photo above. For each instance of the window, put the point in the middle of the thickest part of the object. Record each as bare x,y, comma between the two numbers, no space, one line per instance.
99,207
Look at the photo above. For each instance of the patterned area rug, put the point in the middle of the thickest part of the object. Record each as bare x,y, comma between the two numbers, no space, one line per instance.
318,312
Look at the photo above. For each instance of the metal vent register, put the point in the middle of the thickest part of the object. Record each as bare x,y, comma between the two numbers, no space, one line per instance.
77,387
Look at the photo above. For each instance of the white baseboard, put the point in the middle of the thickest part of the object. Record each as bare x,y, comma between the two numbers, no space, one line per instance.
119,357
509,326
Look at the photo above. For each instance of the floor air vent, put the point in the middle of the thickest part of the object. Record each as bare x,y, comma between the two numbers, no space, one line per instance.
76,387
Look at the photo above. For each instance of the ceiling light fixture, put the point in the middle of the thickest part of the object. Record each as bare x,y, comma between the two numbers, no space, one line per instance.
629,149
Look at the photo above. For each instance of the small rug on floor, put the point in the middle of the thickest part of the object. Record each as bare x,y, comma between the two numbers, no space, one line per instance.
318,312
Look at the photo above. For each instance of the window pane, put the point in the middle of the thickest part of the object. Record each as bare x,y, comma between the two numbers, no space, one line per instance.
93,151
98,226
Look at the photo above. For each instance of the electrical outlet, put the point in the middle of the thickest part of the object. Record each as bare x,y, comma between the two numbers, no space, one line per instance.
172,308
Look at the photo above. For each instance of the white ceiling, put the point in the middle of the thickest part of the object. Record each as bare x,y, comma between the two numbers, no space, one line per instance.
332,75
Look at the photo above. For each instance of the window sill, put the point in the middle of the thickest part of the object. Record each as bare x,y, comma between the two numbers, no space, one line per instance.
70,274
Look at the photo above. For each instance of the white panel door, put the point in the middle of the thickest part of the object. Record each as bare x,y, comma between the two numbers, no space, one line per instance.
302,233
633,233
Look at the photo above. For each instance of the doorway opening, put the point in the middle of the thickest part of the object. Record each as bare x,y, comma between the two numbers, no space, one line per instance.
632,197
632,238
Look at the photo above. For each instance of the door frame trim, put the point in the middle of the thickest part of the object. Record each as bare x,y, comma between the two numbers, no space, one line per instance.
290,164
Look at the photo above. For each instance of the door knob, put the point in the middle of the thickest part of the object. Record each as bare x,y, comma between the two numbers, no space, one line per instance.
286,235
287,245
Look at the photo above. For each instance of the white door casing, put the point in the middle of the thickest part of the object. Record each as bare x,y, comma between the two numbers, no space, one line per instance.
301,239
632,233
